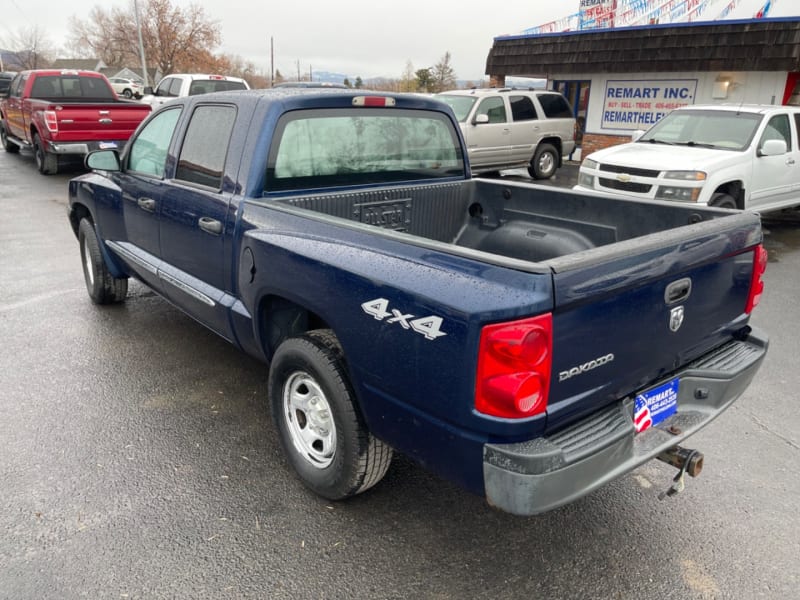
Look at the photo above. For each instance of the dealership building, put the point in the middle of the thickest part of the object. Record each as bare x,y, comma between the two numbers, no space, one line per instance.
625,78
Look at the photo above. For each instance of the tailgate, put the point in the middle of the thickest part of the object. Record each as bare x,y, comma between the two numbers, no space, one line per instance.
97,122
629,314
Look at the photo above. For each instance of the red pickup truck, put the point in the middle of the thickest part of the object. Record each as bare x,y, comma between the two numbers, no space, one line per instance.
64,114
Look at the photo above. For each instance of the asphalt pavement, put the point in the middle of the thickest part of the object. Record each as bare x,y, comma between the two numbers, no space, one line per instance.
138,460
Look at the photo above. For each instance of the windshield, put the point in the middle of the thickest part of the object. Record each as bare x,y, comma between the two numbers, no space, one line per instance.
723,129
461,105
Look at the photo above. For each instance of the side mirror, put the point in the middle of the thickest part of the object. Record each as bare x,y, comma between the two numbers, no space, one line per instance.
772,148
484,118
148,90
103,160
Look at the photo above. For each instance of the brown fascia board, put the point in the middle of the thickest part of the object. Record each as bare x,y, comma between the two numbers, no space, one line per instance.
768,45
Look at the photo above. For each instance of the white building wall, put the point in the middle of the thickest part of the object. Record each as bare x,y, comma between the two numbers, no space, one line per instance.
607,89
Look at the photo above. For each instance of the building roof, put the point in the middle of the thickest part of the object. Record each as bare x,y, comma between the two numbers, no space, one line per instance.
753,45
79,64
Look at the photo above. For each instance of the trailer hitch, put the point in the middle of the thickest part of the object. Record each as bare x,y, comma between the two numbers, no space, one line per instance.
686,461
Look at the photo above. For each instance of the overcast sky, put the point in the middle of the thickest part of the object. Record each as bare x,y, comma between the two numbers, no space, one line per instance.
366,38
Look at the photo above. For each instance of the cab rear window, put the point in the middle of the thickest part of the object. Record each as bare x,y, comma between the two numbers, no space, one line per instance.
348,147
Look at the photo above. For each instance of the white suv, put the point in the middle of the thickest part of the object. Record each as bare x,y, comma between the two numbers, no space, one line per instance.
733,156
508,128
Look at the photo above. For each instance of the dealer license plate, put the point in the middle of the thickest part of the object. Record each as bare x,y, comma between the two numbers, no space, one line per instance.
655,405
108,145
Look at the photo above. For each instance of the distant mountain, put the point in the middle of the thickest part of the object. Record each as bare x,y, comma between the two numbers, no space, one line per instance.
518,82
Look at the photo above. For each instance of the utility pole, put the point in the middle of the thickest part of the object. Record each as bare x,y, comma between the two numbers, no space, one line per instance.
141,44
271,62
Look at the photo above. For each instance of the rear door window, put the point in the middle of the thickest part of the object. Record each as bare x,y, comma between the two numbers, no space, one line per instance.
522,108
202,157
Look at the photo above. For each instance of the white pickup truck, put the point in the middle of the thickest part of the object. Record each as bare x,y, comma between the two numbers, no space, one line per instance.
731,156
180,85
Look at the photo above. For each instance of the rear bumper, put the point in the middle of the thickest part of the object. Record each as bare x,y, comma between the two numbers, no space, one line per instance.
532,477
63,148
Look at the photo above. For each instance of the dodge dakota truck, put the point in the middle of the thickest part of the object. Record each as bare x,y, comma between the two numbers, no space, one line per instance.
63,114
529,343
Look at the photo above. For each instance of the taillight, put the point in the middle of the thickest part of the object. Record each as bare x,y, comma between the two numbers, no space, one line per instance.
756,283
514,363
51,121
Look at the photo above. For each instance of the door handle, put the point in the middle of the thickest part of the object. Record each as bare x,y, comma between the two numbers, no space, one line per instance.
210,225
147,204
789,161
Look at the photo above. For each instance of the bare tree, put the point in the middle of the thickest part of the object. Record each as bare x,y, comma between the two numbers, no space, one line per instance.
408,82
31,48
175,38
443,77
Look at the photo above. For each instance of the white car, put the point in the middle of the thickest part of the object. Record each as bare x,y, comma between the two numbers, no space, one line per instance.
732,156
126,87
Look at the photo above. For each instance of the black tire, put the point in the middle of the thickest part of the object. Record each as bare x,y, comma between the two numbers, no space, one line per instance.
46,162
320,426
103,288
544,162
127,93
722,200
10,146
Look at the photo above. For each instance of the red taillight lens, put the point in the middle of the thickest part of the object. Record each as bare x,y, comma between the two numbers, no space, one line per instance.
514,363
756,283
51,121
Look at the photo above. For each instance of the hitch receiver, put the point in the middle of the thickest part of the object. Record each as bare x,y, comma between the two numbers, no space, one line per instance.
685,459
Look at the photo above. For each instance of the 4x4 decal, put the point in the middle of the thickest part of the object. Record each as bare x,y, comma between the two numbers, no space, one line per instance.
429,326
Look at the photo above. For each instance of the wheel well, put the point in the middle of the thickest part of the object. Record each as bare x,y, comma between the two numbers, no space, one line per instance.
556,143
735,190
78,212
281,319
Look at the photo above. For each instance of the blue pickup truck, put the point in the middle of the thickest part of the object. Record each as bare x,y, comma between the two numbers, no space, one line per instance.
526,342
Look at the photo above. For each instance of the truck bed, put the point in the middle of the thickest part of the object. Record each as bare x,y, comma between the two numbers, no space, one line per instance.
505,220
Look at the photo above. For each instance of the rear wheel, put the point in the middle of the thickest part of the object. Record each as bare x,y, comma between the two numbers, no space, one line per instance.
321,428
103,287
10,146
46,162
722,200
127,93
544,162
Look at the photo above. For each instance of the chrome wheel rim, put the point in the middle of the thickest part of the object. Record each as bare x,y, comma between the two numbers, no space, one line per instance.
546,163
309,420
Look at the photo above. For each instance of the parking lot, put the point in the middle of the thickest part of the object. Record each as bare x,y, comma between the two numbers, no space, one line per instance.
139,461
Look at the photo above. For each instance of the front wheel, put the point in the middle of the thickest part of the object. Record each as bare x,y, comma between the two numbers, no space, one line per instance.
46,162
103,287
544,162
320,426
722,200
